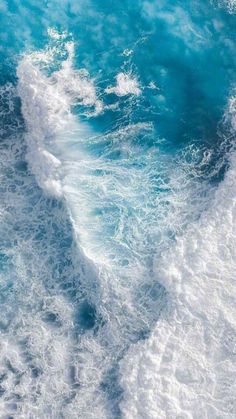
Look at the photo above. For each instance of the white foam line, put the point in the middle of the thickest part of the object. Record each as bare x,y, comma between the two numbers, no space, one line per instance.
46,106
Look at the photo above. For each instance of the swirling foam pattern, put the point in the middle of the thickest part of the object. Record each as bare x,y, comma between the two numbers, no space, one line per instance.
117,235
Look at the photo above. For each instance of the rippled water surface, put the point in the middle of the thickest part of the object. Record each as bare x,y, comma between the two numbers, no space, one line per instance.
117,209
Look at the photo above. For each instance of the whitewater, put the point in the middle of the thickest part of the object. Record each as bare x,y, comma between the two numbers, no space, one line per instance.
118,210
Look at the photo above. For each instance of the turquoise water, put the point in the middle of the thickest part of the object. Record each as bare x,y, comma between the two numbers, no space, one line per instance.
114,141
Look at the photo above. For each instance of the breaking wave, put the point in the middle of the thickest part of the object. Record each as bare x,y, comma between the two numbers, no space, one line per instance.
117,249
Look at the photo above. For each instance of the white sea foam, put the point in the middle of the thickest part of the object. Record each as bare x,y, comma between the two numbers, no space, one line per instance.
187,367
55,154
105,200
46,105
126,84
230,4
31,346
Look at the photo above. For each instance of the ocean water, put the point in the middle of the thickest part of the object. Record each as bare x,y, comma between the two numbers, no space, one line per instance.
118,209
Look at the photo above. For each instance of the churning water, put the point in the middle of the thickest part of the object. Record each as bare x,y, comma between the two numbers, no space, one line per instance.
118,209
